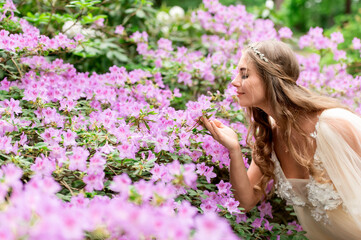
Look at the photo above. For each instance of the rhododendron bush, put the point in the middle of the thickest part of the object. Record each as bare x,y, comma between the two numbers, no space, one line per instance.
120,153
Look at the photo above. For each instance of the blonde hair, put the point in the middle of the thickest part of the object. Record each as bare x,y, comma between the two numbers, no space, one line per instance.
287,100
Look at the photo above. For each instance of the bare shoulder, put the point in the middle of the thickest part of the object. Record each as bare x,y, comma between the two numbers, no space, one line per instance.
341,119
338,113
339,122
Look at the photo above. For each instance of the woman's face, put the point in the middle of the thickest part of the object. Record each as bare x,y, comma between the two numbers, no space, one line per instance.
250,87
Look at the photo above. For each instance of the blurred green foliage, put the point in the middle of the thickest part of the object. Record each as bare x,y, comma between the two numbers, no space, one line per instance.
191,4
349,25
96,20
300,15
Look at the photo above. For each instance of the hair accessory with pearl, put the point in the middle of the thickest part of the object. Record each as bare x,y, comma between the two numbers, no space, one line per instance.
261,55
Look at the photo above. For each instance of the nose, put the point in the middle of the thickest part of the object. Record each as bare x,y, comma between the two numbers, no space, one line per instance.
235,82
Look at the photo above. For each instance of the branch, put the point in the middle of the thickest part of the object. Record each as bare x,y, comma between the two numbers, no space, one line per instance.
68,187
21,75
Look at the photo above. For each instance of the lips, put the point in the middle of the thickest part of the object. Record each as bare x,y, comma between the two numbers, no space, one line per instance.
240,93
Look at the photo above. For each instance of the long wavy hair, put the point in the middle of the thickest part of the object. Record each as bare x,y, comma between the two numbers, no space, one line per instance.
288,101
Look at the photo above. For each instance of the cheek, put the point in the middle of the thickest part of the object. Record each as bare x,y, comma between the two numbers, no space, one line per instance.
254,90
249,88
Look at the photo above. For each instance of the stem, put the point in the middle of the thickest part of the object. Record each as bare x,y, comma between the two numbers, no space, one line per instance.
51,16
68,187
111,169
21,75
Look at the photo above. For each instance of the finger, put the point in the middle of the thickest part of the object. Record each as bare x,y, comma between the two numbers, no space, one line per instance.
208,126
215,130
218,123
201,122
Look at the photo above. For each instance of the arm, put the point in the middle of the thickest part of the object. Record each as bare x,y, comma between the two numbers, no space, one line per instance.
242,180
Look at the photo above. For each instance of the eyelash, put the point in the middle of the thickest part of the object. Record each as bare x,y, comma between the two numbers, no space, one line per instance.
244,76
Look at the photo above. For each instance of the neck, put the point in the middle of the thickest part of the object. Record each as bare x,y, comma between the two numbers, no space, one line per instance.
267,109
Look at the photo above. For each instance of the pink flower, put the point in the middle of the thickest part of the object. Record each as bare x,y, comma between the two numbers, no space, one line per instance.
186,78
202,168
315,32
67,104
97,161
356,43
144,188
285,32
94,180
139,37
69,138
177,93
241,217
158,172
321,42
223,187
12,175
232,205
121,183
127,150
337,37
99,22
119,30
267,226
51,136
59,154
5,144
23,139
8,6
79,37
161,143
208,206
210,174
304,41
4,84
265,209
43,166
79,201
211,227
189,175
165,44
196,155
77,161
184,138
257,223
298,227
339,54
142,48
107,148
12,106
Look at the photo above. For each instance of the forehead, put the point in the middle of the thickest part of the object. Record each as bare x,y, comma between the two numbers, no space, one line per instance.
244,64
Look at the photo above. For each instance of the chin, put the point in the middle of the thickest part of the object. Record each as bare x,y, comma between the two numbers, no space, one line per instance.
244,105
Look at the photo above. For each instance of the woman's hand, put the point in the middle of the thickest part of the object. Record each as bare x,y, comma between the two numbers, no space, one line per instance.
221,133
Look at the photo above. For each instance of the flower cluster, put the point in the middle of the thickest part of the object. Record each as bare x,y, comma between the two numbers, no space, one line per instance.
90,155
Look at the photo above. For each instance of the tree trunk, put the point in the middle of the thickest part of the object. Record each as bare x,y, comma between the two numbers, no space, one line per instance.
348,6
278,4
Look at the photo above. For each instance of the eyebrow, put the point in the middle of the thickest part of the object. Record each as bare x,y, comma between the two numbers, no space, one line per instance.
243,69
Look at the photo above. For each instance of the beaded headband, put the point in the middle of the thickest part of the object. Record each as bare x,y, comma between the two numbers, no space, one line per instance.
261,55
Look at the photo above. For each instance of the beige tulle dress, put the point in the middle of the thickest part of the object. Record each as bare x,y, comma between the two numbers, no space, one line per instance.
329,210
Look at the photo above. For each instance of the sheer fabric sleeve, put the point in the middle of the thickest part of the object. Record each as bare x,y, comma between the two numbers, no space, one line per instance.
339,149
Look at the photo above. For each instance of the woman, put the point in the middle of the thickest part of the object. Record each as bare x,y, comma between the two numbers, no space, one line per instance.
308,144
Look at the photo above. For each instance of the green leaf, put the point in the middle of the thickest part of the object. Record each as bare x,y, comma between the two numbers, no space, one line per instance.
140,13
63,197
